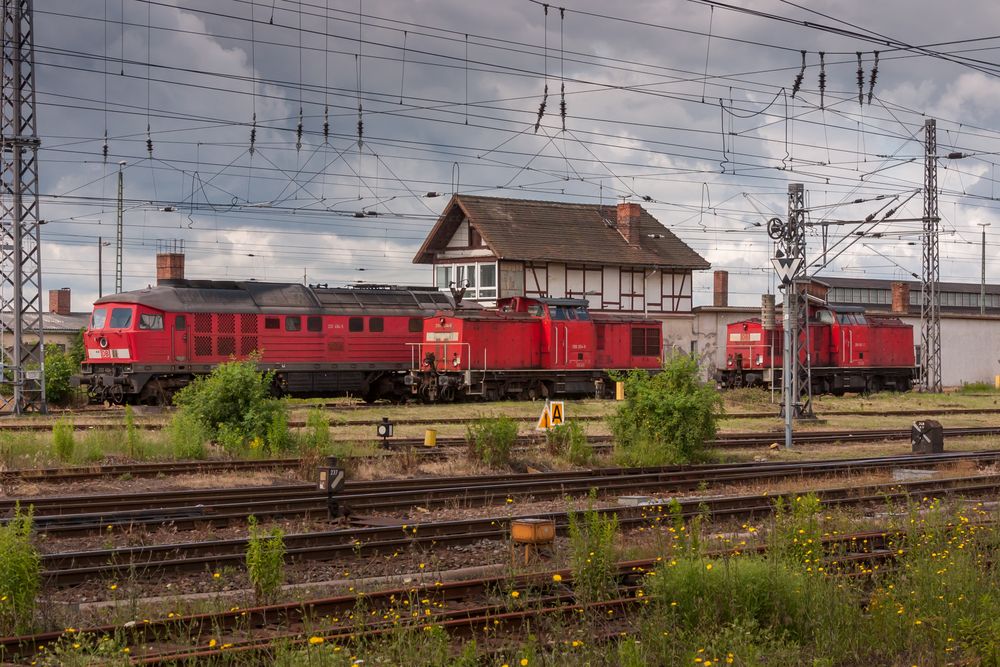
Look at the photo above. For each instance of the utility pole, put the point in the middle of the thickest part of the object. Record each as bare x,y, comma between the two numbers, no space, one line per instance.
982,280
789,262
120,226
930,297
20,244
100,265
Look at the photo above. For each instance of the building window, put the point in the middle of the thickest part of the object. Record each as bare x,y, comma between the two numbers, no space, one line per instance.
487,281
376,324
314,323
479,280
356,324
475,238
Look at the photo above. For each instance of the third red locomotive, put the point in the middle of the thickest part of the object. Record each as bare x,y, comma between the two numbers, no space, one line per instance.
848,351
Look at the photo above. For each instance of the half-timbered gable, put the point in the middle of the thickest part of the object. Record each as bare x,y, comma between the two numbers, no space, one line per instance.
619,258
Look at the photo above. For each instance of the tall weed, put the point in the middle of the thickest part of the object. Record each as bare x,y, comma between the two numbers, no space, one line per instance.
491,440
20,574
63,442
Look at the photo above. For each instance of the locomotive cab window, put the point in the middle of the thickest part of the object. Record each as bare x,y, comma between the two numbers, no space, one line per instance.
293,323
98,318
314,323
376,324
582,313
151,321
356,324
825,316
536,310
416,325
557,313
180,323
272,323
121,318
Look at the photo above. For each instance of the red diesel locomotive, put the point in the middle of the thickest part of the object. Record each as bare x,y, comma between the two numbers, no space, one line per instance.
144,345
529,348
849,351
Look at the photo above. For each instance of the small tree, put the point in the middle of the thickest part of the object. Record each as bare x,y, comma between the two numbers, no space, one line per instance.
667,417
59,368
234,406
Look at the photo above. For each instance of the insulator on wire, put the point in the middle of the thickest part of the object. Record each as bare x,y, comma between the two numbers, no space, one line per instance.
798,77
562,105
104,148
822,78
541,108
326,124
149,142
861,81
298,132
872,78
253,134
361,128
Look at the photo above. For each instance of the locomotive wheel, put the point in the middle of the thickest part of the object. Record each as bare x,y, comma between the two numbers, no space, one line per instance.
116,394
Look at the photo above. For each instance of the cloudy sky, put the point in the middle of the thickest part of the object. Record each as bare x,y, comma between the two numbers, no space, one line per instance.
686,106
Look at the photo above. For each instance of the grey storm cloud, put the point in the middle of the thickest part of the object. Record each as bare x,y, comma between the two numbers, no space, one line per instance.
686,104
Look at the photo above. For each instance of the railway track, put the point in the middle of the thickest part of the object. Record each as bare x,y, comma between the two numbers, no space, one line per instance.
459,606
58,516
66,569
724,441
114,417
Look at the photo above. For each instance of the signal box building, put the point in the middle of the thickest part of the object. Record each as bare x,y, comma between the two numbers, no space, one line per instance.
619,258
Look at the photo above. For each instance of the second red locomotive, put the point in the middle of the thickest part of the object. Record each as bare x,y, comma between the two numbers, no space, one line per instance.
530,348
848,351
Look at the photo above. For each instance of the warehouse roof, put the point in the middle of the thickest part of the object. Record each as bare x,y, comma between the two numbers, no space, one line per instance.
531,230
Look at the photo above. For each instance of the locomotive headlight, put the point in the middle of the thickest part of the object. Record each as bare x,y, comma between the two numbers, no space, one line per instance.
455,361
103,342
760,359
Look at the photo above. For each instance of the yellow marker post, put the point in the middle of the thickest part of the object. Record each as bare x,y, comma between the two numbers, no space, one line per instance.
545,419
619,391
557,413
430,437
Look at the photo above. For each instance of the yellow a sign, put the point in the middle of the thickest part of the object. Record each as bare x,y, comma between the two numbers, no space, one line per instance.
553,414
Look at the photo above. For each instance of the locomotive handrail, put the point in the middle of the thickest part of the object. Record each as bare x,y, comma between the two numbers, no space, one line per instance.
416,354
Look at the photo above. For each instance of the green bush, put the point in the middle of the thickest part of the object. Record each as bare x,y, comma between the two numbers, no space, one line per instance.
491,440
63,442
59,368
20,574
188,436
235,408
666,418
133,439
569,441
265,560
593,555
316,437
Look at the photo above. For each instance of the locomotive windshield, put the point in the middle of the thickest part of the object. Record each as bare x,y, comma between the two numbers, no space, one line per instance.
121,318
98,318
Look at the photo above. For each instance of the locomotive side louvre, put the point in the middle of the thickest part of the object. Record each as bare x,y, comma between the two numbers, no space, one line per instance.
143,345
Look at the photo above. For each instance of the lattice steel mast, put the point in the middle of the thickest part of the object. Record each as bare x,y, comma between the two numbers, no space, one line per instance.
20,248
794,247
930,298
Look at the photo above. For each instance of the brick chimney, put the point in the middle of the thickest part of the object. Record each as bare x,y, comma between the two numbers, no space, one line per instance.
900,298
628,222
59,301
169,267
720,292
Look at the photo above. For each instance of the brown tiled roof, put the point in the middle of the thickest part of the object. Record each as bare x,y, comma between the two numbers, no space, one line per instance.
530,230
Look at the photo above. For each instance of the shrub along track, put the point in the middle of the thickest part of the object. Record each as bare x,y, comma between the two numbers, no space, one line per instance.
459,607
65,569
724,441
57,516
